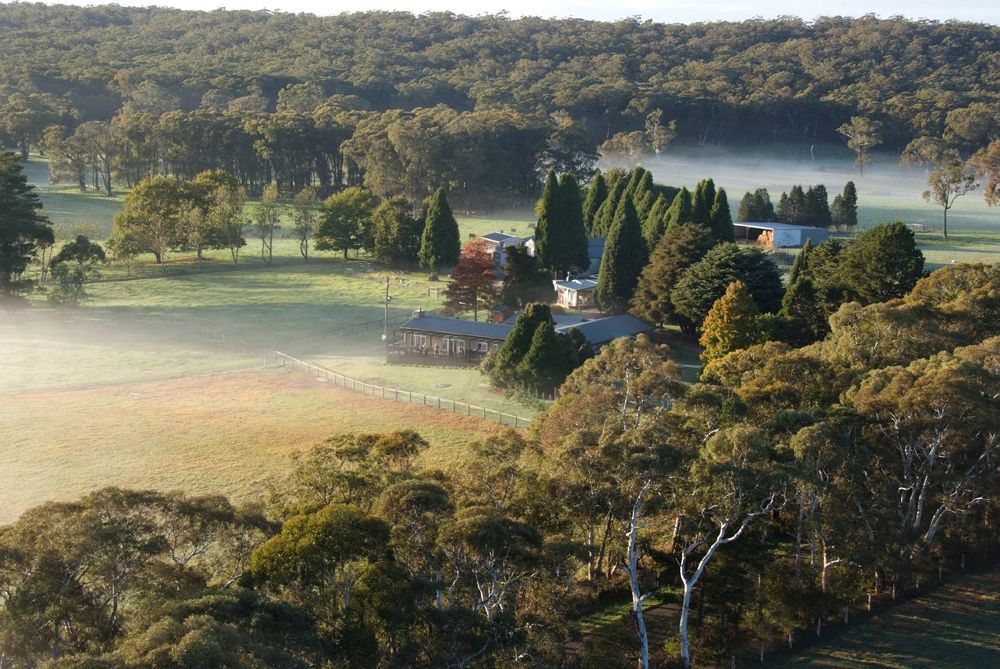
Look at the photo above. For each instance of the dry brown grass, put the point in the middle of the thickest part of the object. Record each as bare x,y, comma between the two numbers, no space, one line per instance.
225,433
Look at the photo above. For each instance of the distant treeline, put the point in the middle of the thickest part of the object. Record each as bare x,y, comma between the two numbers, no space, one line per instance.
490,92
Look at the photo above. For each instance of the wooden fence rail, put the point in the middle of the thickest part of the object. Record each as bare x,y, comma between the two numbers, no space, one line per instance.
397,395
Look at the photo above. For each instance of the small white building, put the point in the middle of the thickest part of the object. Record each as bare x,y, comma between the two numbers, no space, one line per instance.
779,235
497,243
576,293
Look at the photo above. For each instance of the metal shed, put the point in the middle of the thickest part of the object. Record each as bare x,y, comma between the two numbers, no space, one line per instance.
779,235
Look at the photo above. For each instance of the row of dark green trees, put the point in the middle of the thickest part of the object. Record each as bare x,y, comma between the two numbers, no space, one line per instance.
763,502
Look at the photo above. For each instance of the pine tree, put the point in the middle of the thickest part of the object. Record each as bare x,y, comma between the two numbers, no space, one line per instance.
702,202
654,224
547,363
606,213
597,192
624,257
756,207
721,219
518,342
800,262
634,179
844,211
23,229
680,210
792,207
674,253
571,242
732,323
817,207
440,244
547,228
802,320
644,195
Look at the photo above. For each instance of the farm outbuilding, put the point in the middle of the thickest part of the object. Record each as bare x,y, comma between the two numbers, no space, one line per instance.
779,235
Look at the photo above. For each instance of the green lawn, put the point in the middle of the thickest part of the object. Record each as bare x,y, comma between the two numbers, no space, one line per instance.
956,626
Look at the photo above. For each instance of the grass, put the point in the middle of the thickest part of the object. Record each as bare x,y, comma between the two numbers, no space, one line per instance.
225,433
955,626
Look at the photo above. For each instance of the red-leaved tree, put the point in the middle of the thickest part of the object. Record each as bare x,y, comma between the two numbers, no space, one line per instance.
473,284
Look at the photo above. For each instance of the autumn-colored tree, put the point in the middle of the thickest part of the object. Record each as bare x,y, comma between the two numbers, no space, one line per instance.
732,323
472,282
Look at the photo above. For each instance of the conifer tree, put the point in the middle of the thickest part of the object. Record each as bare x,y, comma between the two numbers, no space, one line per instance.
571,243
800,263
644,195
517,344
547,228
654,225
844,211
680,209
597,192
792,207
440,244
634,179
732,323
817,207
702,201
674,253
721,219
624,257
548,360
606,213
756,207
802,319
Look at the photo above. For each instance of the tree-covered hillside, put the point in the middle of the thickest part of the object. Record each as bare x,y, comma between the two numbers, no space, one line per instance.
756,80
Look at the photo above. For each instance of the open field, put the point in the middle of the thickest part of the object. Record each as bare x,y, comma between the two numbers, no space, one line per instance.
224,433
956,626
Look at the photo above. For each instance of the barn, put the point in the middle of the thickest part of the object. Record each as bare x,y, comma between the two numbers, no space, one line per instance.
779,235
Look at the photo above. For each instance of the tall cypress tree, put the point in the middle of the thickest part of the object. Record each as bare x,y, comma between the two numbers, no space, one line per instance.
547,227
844,211
680,209
643,196
606,213
817,207
518,343
548,360
624,257
571,243
802,319
702,201
756,207
732,323
597,193
440,245
720,218
800,263
654,225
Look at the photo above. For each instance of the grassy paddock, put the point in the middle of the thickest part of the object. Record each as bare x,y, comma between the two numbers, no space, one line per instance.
955,626
225,433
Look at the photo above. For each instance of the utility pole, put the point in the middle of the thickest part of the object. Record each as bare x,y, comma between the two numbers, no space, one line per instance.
385,318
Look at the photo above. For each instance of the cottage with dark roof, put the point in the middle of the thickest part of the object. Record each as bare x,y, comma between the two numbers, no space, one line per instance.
426,339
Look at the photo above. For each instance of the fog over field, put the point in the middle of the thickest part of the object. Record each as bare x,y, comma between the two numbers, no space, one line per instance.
886,191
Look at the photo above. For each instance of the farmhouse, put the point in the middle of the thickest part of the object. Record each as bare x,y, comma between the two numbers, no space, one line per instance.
426,339
576,293
779,235
497,243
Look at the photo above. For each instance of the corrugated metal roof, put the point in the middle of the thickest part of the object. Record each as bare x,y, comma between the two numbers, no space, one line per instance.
603,330
599,331
577,284
456,326
501,237
775,226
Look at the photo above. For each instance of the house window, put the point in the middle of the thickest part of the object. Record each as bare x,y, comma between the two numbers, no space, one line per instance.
419,341
458,346
482,346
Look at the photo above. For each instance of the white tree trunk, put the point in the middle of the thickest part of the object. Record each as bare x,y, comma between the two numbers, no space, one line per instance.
633,578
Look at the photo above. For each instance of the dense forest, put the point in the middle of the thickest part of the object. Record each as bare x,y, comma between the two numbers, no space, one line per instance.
483,104
765,502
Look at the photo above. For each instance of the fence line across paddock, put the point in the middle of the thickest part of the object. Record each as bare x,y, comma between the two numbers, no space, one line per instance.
397,395
371,389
